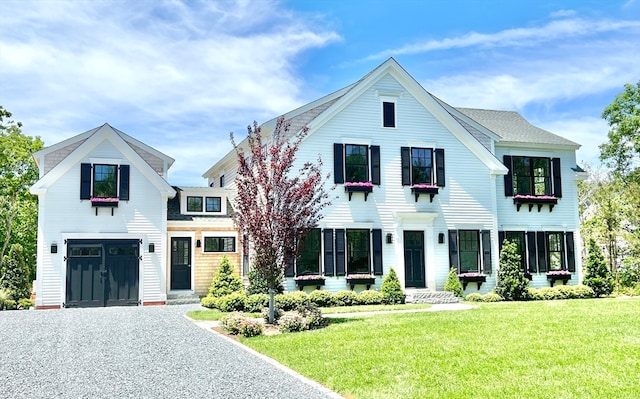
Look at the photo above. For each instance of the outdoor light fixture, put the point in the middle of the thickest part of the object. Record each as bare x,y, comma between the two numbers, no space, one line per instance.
54,248
441,238
152,247
198,243
389,238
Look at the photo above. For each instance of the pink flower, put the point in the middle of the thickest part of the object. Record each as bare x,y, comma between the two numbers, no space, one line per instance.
358,184
97,199
520,196
423,186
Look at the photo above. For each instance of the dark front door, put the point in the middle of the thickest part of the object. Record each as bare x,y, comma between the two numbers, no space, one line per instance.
180,263
414,259
102,273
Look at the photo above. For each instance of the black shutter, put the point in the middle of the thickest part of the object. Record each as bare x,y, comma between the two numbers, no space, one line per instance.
557,181
405,161
571,252
328,252
453,250
376,235
508,178
533,252
500,241
85,181
340,252
542,252
486,251
440,167
124,183
338,167
375,164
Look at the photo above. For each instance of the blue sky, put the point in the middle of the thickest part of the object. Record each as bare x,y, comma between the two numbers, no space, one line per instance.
180,75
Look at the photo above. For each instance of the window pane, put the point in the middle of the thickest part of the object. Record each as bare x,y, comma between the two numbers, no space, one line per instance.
517,237
469,247
358,251
356,163
104,181
556,251
213,204
389,114
194,204
421,166
541,176
309,254
219,244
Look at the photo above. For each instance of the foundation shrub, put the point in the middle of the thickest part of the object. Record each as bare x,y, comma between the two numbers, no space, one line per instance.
453,283
391,289
210,302
370,297
233,302
255,302
346,298
322,298
291,300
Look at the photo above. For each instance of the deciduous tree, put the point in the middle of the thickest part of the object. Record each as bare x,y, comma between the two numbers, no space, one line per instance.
274,208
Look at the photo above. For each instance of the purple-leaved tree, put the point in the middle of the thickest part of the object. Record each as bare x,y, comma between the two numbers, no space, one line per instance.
273,207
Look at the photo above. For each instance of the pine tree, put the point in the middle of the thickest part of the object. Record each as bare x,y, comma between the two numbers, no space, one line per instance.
597,275
453,283
391,289
225,281
14,276
512,283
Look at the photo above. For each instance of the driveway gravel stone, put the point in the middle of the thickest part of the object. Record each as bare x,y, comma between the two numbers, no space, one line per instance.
132,352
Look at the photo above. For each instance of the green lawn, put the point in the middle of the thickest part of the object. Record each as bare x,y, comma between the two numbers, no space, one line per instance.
545,349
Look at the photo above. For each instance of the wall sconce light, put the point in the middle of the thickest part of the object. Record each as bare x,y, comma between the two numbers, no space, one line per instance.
198,243
389,238
152,247
54,248
441,238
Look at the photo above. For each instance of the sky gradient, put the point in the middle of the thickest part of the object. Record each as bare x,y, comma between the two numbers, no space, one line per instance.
181,75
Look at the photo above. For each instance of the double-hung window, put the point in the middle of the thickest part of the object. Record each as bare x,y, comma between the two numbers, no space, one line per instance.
308,261
555,246
356,163
104,180
470,251
358,253
422,166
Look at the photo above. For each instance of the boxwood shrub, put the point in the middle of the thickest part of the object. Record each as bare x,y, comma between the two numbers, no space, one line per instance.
346,298
370,297
322,298
233,302
254,303
291,300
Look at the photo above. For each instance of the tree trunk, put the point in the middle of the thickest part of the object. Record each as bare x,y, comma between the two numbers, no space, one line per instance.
271,305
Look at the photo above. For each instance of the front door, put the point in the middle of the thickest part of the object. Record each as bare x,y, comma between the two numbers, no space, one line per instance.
414,259
180,263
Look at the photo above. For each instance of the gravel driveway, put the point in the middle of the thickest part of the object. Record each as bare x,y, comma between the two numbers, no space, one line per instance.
131,352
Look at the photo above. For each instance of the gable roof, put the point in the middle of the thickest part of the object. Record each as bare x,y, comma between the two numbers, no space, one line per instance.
319,112
512,128
90,140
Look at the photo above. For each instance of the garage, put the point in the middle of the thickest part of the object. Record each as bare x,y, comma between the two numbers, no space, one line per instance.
102,273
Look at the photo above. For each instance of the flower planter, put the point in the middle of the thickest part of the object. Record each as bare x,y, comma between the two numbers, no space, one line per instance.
361,281
532,200
431,191
366,189
310,283
466,278
553,277
104,203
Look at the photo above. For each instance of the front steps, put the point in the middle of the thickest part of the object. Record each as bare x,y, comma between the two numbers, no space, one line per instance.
414,295
182,298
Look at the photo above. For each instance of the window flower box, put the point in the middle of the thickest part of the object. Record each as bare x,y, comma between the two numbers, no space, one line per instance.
430,189
365,187
106,202
466,278
557,275
360,279
310,280
532,200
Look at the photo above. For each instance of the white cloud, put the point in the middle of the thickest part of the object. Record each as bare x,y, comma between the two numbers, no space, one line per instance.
588,131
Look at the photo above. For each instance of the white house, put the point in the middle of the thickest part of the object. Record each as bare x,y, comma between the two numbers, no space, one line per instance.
423,187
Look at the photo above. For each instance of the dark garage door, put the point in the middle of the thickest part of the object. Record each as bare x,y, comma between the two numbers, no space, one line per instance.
102,272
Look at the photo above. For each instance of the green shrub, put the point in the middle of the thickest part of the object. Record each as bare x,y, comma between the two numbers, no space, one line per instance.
511,284
453,284
629,272
582,291
225,281
291,300
254,303
391,289
322,298
561,292
232,303
4,295
25,303
597,275
210,302
258,283
277,314
292,323
473,297
312,316
370,297
10,304
250,328
346,298
15,273
491,297
232,322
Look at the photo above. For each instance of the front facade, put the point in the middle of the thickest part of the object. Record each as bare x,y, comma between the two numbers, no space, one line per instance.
423,187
